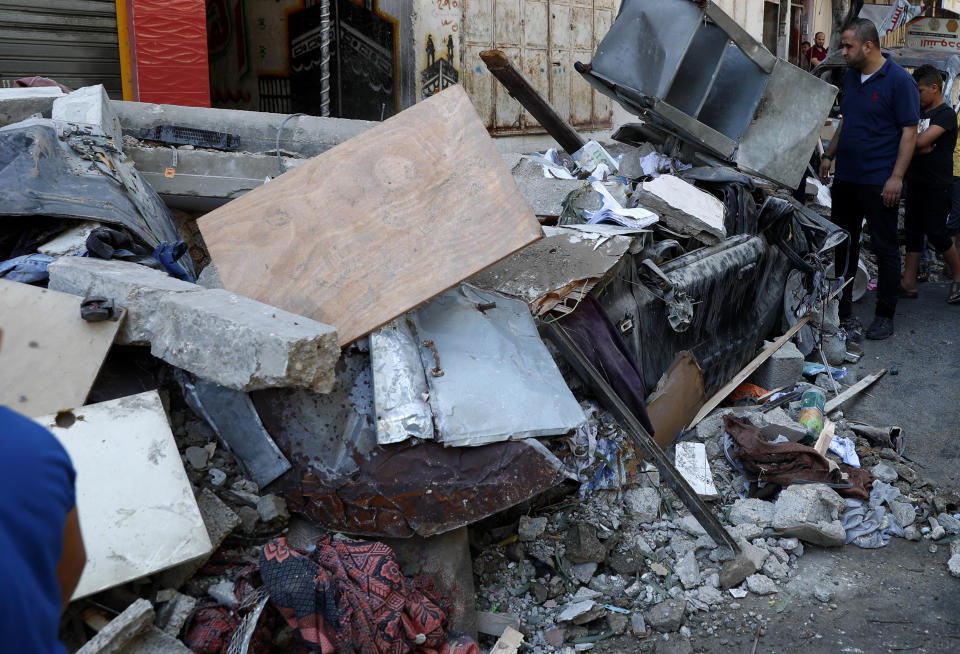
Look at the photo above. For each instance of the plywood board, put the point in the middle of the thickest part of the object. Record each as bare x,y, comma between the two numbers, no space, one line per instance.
137,511
676,399
377,225
49,356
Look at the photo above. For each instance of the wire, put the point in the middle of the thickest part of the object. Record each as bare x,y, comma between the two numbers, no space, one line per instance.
283,168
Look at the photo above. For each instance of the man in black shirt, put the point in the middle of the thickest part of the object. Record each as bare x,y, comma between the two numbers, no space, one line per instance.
929,183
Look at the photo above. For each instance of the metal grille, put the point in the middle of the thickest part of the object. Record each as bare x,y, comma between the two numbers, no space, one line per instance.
275,94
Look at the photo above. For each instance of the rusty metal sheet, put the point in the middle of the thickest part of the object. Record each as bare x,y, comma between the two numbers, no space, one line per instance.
343,480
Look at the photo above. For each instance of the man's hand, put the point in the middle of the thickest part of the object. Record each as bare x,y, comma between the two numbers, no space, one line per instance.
825,164
891,191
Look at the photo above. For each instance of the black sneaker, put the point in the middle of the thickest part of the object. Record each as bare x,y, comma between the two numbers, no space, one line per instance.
853,327
880,329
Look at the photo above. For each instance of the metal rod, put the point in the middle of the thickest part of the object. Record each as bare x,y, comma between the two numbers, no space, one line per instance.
521,90
324,57
641,439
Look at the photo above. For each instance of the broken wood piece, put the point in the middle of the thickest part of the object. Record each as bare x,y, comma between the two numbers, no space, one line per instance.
377,225
826,436
836,402
494,624
690,458
523,92
676,399
509,642
50,355
741,376
137,511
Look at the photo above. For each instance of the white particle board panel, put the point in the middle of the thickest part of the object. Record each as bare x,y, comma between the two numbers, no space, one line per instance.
137,511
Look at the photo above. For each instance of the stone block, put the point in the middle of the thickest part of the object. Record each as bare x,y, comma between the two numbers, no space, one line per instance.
954,563
244,344
137,618
777,422
688,570
643,504
735,571
667,616
90,105
810,513
783,368
884,472
136,288
761,585
903,512
752,511
757,555
583,546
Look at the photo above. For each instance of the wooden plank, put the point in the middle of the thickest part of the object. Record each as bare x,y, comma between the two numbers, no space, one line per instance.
676,399
50,356
741,376
836,402
826,436
377,225
137,511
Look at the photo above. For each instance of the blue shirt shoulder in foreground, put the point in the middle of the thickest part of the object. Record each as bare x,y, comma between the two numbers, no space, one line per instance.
37,491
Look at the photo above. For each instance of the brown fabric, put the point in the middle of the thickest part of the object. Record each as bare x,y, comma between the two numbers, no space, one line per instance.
787,463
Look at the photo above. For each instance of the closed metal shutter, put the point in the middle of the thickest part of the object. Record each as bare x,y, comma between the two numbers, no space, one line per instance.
72,41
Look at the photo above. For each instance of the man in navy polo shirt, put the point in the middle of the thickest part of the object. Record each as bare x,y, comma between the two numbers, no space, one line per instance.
872,148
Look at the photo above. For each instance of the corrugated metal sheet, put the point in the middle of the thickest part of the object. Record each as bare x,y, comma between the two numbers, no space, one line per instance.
71,41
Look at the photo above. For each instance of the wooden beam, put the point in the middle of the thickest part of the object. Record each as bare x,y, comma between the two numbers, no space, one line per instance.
835,403
520,89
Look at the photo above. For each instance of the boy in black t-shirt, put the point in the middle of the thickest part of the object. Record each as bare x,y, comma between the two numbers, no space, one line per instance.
929,183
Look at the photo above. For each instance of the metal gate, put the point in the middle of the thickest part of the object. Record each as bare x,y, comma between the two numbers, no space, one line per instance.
543,38
72,41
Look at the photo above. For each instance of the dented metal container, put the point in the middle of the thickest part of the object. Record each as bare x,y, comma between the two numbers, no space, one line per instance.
690,70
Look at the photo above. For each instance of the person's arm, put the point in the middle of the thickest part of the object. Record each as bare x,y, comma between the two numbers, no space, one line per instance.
894,185
828,157
927,140
73,559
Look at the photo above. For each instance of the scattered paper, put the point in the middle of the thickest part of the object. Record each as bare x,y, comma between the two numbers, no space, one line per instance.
656,163
553,168
592,155
612,210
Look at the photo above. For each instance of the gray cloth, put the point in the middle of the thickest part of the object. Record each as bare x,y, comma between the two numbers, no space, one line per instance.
872,525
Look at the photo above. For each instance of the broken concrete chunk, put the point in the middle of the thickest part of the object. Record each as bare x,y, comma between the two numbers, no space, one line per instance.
948,522
775,568
666,616
272,507
224,593
555,636
582,545
735,571
954,563
761,585
751,511
691,461
136,288
197,457
135,619
688,570
643,504
90,105
695,212
209,277
637,624
493,624
903,512
243,344
884,472
575,610
778,423
173,614
757,555
783,368
531,528
810,512
71,241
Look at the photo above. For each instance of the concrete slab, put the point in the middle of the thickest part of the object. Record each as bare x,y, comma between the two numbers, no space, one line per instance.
137,511
90,105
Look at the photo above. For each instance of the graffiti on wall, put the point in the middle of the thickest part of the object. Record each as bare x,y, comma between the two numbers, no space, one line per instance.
437,29
440,71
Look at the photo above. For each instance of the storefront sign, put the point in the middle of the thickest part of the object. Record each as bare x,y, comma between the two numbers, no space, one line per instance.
934,34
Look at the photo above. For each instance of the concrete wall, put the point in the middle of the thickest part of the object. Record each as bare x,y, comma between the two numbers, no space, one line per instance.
747,13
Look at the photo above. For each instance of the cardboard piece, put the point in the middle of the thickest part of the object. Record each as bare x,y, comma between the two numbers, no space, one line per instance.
50,356
676,399
377,225
137,511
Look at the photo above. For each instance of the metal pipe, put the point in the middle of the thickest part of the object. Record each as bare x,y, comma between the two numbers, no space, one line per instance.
324,57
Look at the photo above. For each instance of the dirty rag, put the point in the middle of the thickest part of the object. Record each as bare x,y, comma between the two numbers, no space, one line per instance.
787,463
846,449
872,525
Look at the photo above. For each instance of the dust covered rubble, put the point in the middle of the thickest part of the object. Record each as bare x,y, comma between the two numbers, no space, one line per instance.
633,561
